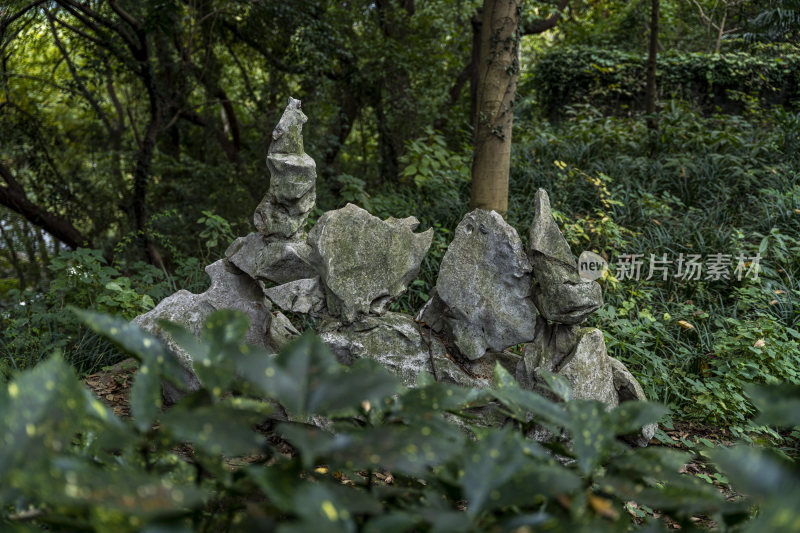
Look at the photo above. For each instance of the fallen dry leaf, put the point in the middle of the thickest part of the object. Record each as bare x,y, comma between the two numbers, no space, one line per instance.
603,507
685,325
759,343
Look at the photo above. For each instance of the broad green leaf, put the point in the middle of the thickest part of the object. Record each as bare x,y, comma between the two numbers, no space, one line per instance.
447,521
145,397
682,494
364,380
331,506
535,480
488,464
127,491
761,474
214,353
306,378
278,482
655,462
437,397
226,327
394,522
558,384
43,410
592,433
629,417
137,342
778,405
403,449
524,403
311,442
216,429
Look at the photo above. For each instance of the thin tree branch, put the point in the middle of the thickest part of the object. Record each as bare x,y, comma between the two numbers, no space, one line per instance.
73,71
13,196
540,26
6,22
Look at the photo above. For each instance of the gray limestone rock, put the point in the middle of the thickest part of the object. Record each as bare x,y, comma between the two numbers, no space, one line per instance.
298,175
287,137
579,354
544,236
276,221
629,389
282,262
300,296
282,213
394,340
551,345
560,293
230,289
482,295
365,262
244,252
588,369
281,330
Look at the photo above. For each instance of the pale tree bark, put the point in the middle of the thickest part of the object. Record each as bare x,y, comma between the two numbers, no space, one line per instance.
720,28
498,68
494,67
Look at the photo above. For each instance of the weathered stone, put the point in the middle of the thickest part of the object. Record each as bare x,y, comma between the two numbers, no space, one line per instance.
482,296
588,369
579,354
276,221
551,345
281,330
394,340
230,289
629,389
298,175
282,262
560,293
282,213
365,262
544,236
287,137
300,296
244,252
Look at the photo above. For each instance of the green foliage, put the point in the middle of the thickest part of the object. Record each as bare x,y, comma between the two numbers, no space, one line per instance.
613,81
68,463
37,325
720,184
217,233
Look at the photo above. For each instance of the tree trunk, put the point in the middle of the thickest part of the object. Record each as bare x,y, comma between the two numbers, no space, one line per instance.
475,60
652,58
496,90
720,33
13,196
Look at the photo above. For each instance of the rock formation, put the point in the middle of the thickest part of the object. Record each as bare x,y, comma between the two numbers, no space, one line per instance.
230,289
282,214
564,300
490,295
365,262
482,295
